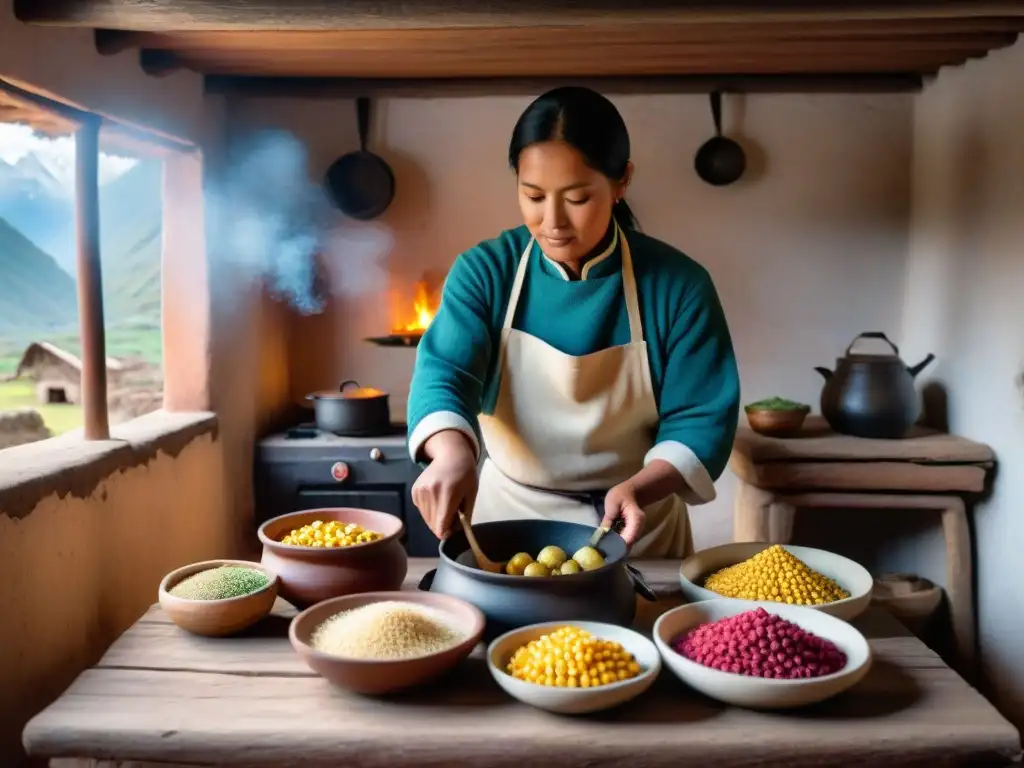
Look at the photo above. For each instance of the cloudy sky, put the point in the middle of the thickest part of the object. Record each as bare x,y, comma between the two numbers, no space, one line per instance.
57,155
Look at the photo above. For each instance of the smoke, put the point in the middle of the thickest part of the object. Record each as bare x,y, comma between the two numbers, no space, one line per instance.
272,225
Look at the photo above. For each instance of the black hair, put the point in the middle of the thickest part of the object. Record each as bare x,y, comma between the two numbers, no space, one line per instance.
586,121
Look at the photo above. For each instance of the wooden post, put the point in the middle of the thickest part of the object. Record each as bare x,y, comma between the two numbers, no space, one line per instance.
90,280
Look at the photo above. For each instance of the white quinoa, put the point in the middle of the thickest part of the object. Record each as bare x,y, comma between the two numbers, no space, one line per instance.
386,631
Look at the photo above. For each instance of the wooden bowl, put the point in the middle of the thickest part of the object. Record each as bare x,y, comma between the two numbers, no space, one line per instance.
370,676
308,576
217,618
776,423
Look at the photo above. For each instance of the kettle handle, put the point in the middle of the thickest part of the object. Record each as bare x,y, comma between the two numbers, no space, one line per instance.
873,335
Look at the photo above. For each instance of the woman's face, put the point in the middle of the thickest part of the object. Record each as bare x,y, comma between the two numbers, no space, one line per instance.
566,204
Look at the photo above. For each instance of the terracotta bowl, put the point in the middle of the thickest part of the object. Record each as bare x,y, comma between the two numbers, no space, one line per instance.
379,677
309,575
216,618
777,423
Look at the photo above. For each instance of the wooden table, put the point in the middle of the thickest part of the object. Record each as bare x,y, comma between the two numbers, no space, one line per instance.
818,468
162,696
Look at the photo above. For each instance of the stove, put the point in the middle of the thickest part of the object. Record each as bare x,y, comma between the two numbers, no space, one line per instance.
306,468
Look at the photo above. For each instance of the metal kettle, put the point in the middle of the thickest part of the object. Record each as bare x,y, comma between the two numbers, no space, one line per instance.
871,395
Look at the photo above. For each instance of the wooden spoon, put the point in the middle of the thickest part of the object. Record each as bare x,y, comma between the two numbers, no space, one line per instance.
483,562
598,535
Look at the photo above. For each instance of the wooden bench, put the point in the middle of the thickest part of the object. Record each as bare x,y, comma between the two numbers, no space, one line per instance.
818,468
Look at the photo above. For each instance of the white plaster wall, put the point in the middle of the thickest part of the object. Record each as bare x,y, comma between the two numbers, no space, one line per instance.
806,254
965,279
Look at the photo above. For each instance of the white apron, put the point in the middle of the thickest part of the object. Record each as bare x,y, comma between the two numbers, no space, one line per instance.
566,429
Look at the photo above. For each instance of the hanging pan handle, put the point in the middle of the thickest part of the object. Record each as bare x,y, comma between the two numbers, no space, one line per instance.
363,117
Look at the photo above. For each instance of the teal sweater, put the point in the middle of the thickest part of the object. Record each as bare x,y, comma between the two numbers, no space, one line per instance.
693,366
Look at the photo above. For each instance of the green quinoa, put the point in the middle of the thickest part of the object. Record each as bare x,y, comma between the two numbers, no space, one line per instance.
777,404
220,583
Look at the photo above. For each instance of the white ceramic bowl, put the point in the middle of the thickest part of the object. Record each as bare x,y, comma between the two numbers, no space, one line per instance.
574,701
758,692
848,574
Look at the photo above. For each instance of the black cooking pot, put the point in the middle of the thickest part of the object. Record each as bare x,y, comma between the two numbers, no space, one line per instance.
607,594
871,395
353,412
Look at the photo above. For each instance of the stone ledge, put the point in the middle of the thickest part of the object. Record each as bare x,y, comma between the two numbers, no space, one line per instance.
70,466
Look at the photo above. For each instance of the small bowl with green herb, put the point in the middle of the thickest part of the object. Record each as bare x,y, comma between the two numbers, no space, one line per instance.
215,598
777,416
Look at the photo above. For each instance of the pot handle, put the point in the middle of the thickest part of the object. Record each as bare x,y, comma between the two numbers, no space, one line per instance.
341,387
427,581
873,335
642,587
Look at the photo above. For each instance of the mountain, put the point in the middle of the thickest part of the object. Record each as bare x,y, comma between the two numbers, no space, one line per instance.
35,293
40,207
131,218
34,212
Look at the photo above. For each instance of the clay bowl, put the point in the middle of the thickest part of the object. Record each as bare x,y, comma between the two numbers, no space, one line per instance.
309,575
756,692
847,573
379,677
216,618
775,423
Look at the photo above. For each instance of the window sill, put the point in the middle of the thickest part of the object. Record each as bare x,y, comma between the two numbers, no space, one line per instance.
70,466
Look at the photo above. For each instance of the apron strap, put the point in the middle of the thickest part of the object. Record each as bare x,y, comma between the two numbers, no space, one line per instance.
517,287
629,291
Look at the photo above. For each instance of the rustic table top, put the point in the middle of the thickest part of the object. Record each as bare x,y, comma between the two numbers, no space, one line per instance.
817,442
161,695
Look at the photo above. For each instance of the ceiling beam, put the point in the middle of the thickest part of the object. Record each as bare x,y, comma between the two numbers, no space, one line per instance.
162,15
650,61
350,88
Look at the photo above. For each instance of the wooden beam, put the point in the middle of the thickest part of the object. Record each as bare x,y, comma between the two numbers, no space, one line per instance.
735,33
75,116
599,51
497,65
90,281
156,15
350,88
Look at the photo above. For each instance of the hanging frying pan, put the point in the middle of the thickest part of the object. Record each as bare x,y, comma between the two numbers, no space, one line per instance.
361,184
719,161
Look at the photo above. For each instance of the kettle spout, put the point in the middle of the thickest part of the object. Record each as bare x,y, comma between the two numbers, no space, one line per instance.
916,369
825,372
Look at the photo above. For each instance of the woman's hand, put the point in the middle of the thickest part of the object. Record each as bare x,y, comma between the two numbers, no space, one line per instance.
626,501
449,482
620,504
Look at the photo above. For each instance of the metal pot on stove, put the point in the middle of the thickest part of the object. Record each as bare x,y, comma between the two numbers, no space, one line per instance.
871,395
352,410
606,594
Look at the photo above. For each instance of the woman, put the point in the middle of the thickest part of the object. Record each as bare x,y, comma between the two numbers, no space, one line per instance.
593,362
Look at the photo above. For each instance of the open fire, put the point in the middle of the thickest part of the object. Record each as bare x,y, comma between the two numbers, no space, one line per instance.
424,313
408,334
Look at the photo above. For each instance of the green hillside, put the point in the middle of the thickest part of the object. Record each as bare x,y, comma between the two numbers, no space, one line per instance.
131,217
38,299
35,293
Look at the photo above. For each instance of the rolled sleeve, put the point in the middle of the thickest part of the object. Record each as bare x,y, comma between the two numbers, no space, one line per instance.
439,421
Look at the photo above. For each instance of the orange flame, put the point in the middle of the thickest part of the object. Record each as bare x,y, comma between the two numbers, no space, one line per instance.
423,312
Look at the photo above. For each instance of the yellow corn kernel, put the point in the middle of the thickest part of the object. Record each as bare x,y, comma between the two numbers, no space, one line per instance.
330,534
774,574
572,658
